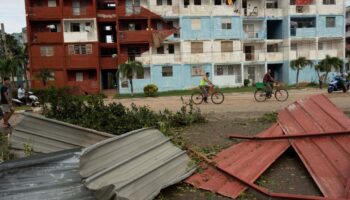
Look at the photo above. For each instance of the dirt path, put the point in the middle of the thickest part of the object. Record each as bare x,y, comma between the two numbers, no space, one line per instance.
237,102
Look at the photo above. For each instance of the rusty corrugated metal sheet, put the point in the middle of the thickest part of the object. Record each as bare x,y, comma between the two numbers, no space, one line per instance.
247,160
328,158
134,166
50,176
48,135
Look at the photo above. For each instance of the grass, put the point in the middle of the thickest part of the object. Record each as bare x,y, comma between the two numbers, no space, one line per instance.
18,108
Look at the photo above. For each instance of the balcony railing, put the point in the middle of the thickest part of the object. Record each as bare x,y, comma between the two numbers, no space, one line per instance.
254,57
45,12
253,35
108,62
306,32
79,12
47,37
143,36
82,61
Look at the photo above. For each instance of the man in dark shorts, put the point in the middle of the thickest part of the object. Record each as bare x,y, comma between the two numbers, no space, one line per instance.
6,101
268,81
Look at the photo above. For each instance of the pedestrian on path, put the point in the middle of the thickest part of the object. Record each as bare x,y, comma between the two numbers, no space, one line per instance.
321,80
6,101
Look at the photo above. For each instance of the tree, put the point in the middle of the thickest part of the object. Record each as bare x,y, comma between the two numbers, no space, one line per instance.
22,60
128,70
5,67
329,63
44,75
299,64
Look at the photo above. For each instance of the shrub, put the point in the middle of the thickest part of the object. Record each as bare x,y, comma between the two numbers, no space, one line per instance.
246,82
150,90
115,118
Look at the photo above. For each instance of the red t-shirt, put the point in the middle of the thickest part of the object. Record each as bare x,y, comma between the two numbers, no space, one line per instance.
267,78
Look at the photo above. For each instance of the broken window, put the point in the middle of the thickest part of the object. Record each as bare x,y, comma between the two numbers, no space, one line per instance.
226,23
196,47
79,49
167,71
330,22
46,51
226,46
196,24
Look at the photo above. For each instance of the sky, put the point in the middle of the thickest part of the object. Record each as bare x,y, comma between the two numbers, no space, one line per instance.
12,14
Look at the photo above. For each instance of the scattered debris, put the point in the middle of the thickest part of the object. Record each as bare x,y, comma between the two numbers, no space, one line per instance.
300,125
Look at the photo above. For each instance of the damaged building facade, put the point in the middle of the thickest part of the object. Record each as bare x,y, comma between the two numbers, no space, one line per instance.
83,41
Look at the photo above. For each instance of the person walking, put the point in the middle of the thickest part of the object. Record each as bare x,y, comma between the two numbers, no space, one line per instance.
6,101
321,80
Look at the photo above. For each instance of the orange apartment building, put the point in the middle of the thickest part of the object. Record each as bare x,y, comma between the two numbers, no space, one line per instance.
83,41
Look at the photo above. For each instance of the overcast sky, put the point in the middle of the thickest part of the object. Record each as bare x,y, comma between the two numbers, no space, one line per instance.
12,14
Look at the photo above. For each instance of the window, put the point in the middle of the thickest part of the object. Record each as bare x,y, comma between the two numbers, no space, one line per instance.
160,50
272,48
197,2
226,46
159,2
186,3
217,2
52,3
167,71
226,23
47,51
145,75
294,47
320,46
169,2
196,24
79,77
92,75
81,49
125,84
159,26
74,27
330,22
328,2
197,71
196,47
171,49
229,70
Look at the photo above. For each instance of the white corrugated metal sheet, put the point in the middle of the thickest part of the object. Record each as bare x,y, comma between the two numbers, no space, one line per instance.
48,135
50,176
134,166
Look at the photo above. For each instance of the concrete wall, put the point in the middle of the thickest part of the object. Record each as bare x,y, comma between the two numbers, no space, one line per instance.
323,31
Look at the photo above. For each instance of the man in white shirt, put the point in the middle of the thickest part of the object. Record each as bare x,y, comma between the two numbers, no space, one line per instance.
21,94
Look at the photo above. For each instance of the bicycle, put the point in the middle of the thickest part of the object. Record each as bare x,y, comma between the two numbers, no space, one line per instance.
216,96
280,93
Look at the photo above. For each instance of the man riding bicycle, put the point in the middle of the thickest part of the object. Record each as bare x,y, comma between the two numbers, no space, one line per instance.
268,82
204,85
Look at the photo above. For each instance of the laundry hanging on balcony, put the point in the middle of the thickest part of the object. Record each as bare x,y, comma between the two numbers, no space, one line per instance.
302,2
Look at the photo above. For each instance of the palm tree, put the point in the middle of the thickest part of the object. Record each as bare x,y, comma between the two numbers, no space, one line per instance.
44,75
22,60
330,63
298,65
5,67
128,70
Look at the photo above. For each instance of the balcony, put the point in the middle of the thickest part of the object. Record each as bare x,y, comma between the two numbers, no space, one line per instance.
224,10
303,32
308,54
331,52
196,58
47,37
132,37
80,37
165,10
226,57
302,10
108,62
196,10
87,12
259,35
45,12
254,57
52,62
106,15
253,12
274,12
336,9
82,62
135,12
274,56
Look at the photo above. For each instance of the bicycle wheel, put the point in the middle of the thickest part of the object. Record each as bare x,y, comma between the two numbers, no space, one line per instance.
197,98
217,98
281,95
260,95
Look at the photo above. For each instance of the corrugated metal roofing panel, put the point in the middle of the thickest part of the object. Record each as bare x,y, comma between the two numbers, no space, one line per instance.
48,135
247,160
136,165
51,176
328,158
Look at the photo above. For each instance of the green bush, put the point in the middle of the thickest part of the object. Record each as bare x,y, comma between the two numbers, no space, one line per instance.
246,82
150,90
91,112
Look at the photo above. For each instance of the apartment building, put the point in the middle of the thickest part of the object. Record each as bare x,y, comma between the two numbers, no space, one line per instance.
232,39
83,41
